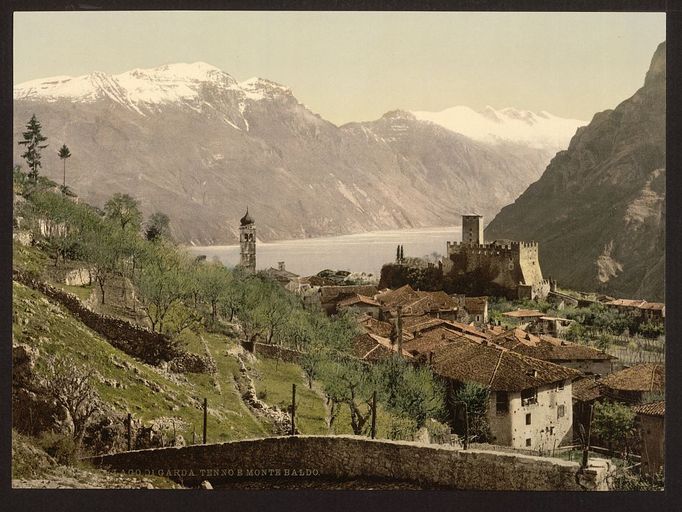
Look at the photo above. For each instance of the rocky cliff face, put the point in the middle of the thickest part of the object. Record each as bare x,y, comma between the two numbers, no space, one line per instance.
191,141
598,210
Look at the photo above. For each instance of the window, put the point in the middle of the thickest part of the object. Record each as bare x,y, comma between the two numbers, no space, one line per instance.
528,442
528,419
501,402
560,411
561,385
529,396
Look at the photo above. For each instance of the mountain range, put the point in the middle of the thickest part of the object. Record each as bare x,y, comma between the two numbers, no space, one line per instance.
195,143
598,211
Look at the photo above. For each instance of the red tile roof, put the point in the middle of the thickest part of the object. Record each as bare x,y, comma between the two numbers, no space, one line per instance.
502,370
548,348
374,326
475,305
358,299
371,347
524,313
629,303
651,409
640,377
586,389
430,340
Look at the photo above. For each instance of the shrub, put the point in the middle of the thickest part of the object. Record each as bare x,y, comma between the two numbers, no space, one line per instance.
62,447
402,428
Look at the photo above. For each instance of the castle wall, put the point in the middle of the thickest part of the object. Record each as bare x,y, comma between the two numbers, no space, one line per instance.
515,266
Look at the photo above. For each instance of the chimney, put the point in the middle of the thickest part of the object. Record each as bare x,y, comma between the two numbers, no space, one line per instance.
280,265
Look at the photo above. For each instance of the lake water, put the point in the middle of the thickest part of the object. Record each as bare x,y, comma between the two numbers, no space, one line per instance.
364,252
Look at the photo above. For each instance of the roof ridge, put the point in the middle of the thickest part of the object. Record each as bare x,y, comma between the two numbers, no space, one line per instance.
653,375
499,361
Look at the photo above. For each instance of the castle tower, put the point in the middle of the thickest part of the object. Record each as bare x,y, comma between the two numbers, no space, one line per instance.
472,229
247,242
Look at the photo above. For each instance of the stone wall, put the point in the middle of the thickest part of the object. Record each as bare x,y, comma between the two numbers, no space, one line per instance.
350,457
276,352
148,346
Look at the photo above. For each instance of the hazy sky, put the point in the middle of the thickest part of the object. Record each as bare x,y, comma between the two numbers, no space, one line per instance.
350,66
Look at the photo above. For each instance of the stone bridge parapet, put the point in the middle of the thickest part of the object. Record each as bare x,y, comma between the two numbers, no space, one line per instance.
354,457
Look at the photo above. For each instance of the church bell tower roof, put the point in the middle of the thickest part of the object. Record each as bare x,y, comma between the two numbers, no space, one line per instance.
246,219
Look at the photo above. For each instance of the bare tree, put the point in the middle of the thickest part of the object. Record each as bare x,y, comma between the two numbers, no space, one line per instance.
70,385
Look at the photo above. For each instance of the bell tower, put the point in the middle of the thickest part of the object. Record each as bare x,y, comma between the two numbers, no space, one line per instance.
247,243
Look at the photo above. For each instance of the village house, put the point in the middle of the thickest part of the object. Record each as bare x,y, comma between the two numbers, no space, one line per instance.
281,274
650,423
328,297
477,309
523,316
644,311
530,401
361,303
586,359
417,326
417,303
635,385
552,325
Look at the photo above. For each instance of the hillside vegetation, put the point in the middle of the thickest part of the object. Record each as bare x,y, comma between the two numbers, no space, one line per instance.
200,312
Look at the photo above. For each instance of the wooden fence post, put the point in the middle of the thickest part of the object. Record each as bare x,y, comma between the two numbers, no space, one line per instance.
129,428
293,409
374,414
205,417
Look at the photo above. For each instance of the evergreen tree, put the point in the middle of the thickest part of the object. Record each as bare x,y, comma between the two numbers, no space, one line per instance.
157,226
64,153
33,139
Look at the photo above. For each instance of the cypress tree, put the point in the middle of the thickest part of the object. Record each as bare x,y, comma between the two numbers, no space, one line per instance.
33,140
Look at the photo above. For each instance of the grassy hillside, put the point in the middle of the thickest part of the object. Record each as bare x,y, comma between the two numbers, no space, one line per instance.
129,385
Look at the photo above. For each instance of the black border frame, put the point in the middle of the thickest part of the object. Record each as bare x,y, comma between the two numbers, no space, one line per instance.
108,499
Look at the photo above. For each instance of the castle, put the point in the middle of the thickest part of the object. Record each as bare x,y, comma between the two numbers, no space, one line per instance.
513,266
247,243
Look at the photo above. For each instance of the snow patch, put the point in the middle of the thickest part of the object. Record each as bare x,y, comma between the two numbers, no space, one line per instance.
538,130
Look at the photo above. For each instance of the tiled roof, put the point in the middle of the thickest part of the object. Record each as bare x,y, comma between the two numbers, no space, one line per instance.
651,409
630,303
523,313
432,323
439,299
547,348
640,377
586,389
657,306
371,347
374,326
502,370
331,293
399,296
430,341
358,299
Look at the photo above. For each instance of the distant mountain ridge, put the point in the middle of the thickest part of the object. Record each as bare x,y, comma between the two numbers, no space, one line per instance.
598,210
190,140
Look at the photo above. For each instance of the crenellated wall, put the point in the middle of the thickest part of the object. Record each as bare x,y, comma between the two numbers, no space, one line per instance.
513,265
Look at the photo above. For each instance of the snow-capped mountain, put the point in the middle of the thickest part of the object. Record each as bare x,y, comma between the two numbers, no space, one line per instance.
144,90
190,140
539,130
